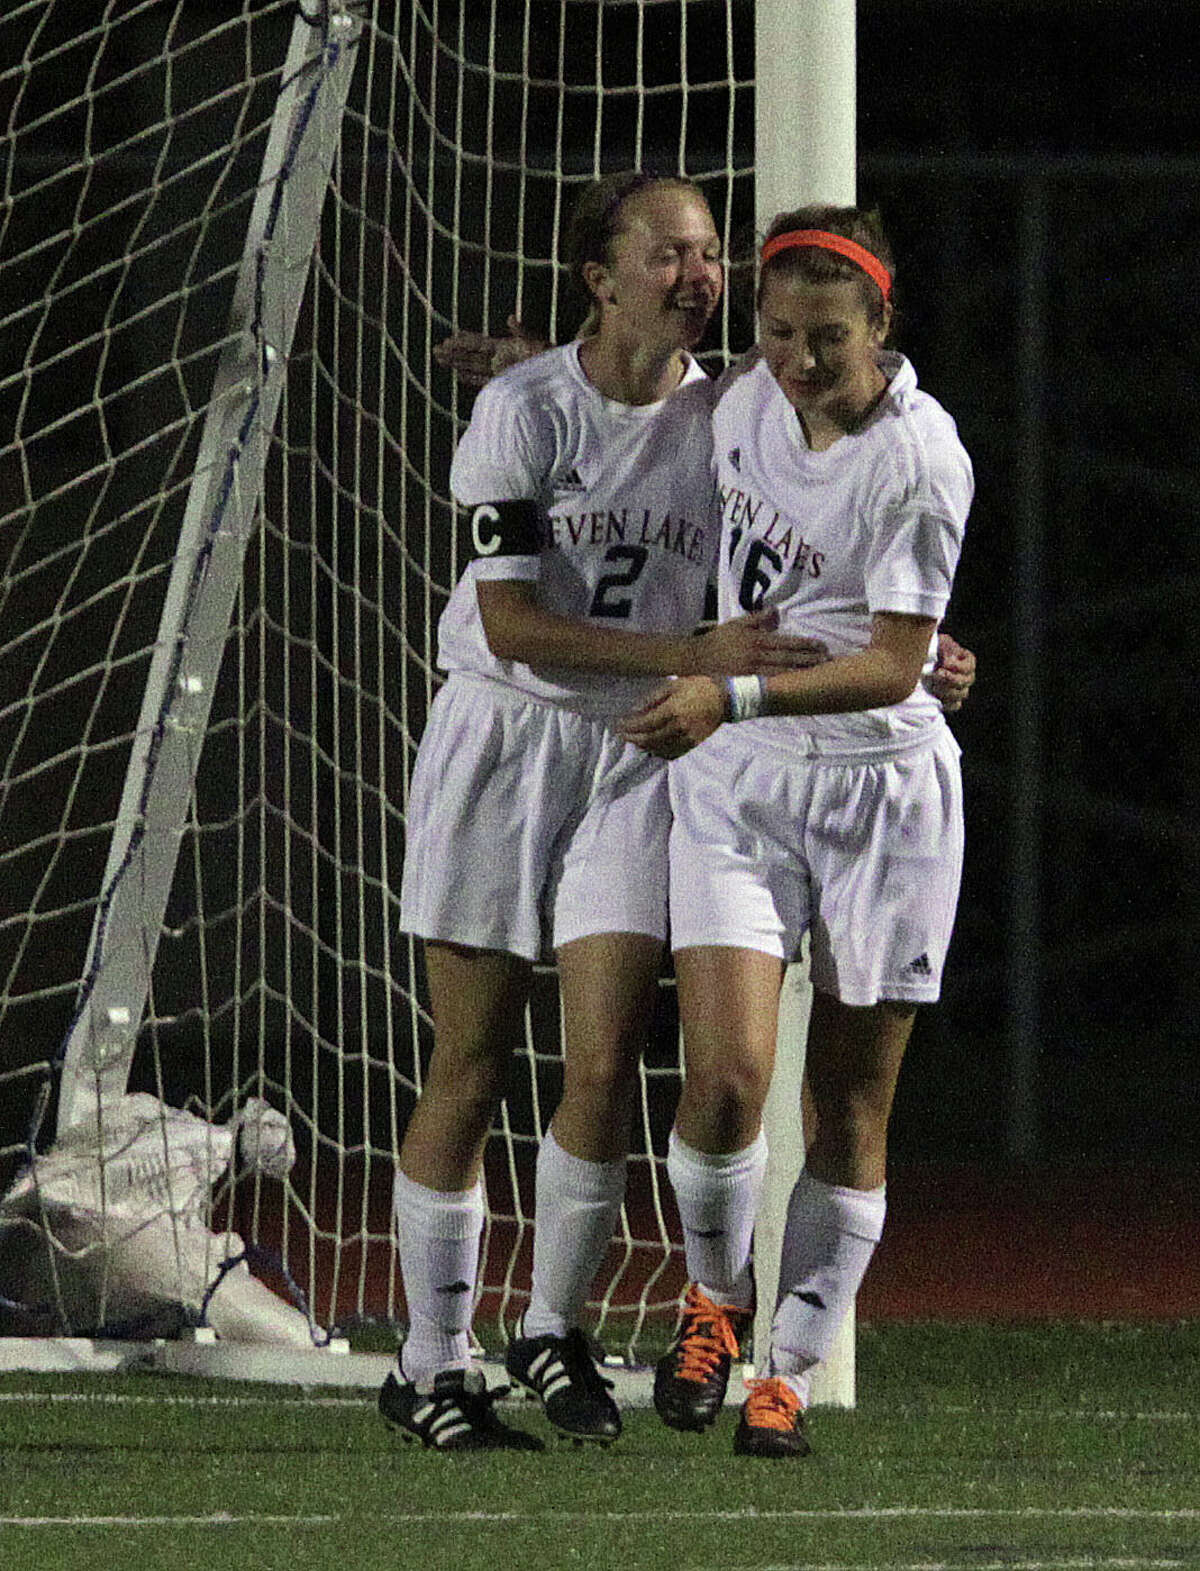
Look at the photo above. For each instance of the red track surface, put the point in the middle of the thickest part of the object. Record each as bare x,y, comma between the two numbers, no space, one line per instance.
960,1245
964,1245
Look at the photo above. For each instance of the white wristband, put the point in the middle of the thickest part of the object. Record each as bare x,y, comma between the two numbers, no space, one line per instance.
747,696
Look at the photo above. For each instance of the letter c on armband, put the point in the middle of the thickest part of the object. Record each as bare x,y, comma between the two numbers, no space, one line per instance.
485,515
506,529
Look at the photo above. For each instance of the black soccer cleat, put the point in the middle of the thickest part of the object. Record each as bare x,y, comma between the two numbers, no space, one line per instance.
455,1415
691,1378
772,1422
561,1373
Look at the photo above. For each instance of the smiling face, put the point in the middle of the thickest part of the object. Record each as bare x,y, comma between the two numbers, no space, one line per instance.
662,281
822,347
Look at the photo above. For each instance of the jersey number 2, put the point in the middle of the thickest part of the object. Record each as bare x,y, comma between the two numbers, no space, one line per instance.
608,601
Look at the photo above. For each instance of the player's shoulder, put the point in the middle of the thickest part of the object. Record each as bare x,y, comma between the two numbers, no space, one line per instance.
517,419
695,398
915,412
530,383
915,440
744,385
741,375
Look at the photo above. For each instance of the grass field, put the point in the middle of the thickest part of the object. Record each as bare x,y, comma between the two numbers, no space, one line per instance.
972,1447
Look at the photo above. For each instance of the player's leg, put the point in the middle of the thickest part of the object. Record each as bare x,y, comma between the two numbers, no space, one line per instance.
477,999
736,912
853,1062
729,1005
873,960
836,1211
609,918
729,1001
608,983
438,1394
473,879
475,996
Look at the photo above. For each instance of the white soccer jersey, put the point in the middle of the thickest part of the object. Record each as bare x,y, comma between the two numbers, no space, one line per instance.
873,523
628,511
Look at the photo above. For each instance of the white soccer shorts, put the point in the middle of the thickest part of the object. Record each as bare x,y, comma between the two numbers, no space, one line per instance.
530,826
866,856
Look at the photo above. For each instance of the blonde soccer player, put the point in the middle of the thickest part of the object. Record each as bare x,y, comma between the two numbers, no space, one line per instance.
824,801
533,827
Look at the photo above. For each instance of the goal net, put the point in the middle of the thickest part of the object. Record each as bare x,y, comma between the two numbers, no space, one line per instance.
202,800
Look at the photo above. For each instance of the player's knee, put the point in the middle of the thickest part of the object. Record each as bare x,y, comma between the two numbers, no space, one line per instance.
854,1125
726,1099
466,1080
603,1075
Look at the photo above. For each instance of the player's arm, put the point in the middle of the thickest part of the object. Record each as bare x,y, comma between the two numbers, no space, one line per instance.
477,357
517,627
883,673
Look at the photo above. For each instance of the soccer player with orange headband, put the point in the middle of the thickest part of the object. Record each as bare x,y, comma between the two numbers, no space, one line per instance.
825,801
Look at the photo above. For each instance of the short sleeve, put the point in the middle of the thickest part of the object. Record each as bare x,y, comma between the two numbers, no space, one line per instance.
502,455
918,519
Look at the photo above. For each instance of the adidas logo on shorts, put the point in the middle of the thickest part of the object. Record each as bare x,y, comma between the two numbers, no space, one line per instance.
919,967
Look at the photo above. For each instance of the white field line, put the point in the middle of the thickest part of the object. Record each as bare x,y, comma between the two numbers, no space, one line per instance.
187,1399
548,1518
1091,1563
365,1400
216,1519
1171,1415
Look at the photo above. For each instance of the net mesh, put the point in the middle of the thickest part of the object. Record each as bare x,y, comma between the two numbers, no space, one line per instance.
131,152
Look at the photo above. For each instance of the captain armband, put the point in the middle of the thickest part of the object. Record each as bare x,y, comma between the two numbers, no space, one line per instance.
507,529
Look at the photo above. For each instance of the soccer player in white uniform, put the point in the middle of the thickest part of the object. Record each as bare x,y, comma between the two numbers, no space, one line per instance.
532,825
825,801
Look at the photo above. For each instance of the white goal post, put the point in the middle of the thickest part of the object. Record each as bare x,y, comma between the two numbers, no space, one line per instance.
804,151
231,238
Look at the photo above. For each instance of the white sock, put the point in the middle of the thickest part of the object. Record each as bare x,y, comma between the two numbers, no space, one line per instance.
576,1206
438,1235
828,1242
718,1200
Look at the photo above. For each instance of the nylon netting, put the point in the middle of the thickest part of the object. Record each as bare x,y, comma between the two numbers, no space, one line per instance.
130,144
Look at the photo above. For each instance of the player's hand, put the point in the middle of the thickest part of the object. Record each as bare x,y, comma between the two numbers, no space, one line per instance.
951,679
750,646
677,717
477,357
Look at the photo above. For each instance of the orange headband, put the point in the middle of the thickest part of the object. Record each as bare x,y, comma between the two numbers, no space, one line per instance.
801,239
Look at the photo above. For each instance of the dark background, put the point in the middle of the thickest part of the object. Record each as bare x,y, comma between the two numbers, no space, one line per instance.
1075,124
1037,167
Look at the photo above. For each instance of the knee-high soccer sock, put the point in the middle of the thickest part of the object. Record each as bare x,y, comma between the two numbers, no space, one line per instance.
828,1242
438,1235
718,1199
575,1210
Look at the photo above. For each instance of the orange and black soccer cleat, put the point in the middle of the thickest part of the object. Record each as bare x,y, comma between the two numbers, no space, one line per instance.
772,1422
691,1377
